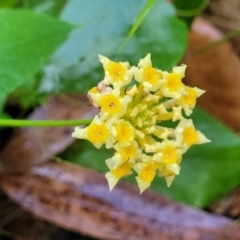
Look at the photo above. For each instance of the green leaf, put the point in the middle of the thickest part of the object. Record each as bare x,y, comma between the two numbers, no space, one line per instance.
50,7
106,27
84,153
8,3
208,171
27,41
4,116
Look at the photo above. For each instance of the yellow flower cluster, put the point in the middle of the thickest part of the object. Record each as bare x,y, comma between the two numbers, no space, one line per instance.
131,120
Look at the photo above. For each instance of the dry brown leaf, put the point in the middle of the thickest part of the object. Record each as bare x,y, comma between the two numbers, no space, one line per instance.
79,199
225,16
18,224
14,220
217,71
29,146
228,205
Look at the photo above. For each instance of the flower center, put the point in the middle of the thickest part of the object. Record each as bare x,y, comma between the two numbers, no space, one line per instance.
125,132
148,173
189,136
169,155
110,104
151,75
122,170
97,133
116,71
173,82
128,152
189,96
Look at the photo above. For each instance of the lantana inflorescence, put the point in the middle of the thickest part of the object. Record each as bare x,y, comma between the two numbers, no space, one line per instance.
134,104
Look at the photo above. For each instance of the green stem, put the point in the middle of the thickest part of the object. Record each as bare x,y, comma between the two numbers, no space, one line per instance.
43,123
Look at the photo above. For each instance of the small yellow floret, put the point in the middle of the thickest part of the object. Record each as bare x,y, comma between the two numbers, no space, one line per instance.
122,170
128,152
190,136
116,70
114,175
174,82
151,75
97,133
169,154
110,104
189,96
125,132
148,172
188,99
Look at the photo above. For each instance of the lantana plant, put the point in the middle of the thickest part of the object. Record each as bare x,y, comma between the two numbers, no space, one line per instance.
135,103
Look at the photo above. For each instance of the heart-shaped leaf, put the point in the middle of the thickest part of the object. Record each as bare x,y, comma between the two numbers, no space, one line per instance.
27,41
106,25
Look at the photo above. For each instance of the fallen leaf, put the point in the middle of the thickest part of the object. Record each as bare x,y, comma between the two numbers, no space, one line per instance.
228,205
30,145
79,199
17,224
14,220
217,71
225,16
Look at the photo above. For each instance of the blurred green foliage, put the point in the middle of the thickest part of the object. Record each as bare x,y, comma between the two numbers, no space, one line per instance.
8,3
